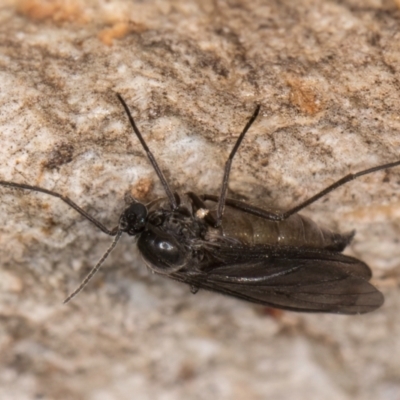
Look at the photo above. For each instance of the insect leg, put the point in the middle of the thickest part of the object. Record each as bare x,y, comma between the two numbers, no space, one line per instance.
228,164
248,208
65,199
199,203
150,156
337,184
276,216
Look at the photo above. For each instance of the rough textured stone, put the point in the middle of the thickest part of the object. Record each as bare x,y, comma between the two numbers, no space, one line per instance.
326,76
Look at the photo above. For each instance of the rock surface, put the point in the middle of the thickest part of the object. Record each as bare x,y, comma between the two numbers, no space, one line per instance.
326,76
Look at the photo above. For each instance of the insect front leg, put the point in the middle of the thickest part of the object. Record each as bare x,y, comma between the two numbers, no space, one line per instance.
66,200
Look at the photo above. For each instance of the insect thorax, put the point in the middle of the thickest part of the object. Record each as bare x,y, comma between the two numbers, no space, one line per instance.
183,223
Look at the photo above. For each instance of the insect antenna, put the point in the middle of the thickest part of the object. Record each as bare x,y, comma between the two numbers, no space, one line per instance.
93,271
150,156
228,164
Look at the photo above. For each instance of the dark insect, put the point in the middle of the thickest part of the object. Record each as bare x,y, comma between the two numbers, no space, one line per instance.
278,259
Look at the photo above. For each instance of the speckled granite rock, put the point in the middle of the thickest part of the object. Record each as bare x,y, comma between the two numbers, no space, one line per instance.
326,76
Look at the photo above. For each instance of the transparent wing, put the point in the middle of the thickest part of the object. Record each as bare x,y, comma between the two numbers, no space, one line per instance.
297,280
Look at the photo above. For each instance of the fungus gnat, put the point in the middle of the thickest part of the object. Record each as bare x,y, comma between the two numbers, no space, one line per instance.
278,259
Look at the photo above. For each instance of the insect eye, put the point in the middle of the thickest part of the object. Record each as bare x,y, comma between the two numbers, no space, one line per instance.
162,251
133,219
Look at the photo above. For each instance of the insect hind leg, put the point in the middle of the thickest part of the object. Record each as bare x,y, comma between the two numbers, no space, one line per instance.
337,184
281,216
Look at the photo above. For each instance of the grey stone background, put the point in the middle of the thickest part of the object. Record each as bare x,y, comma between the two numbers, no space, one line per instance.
326,76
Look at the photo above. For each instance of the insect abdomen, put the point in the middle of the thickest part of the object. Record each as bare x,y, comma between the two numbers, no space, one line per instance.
296,231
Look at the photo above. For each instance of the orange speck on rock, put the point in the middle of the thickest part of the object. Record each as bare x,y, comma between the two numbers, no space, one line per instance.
54,10
118,30
142,189
274,313
304,96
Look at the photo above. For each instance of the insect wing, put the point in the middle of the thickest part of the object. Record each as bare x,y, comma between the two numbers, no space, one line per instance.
307,281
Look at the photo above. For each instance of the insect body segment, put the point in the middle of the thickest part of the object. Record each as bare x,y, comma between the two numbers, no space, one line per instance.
274,258
243,258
